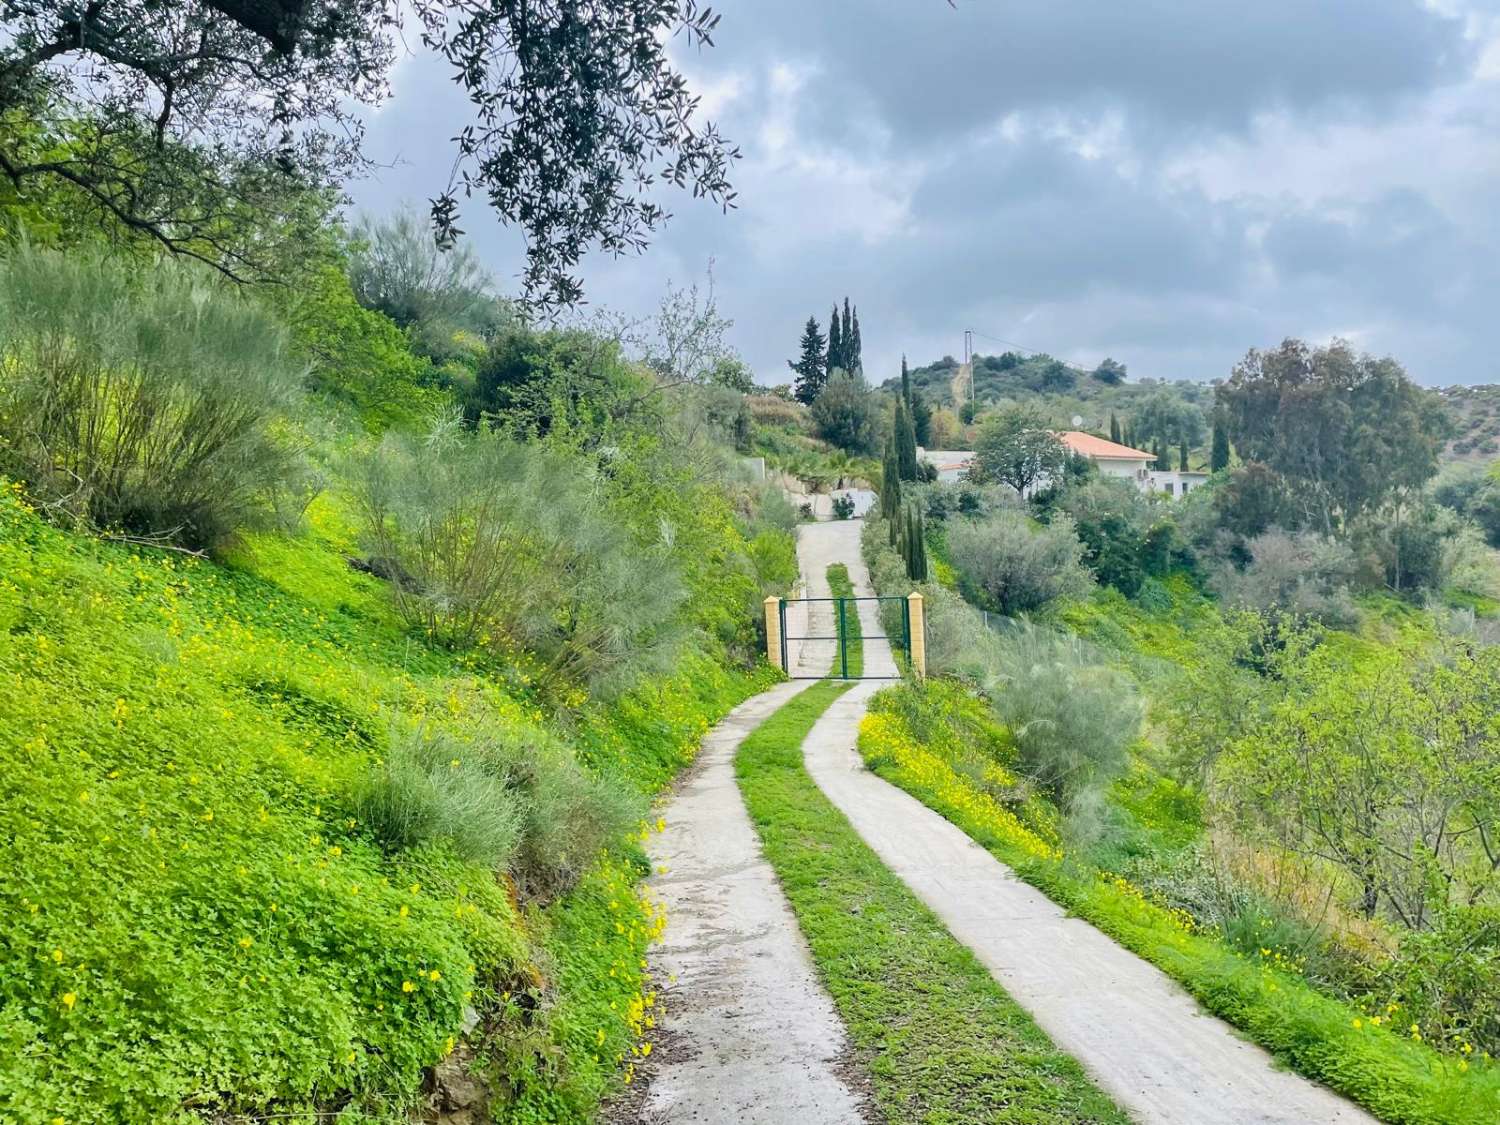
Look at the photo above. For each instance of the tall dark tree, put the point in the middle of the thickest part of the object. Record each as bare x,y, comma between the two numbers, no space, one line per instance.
1182,462
914,544
846,337
173,121
1114,428
917,408
852,343
835,361
1111,372
1218,457
811,374
906,445
890,481
1163,459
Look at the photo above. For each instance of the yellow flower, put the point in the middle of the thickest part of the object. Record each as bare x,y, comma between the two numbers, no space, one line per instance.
405,910
246,943
434,975
407,986
69,999
1358,1023
57,956
645,1048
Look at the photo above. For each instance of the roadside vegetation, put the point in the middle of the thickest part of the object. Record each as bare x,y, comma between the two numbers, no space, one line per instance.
334,703
1249,733
940,1039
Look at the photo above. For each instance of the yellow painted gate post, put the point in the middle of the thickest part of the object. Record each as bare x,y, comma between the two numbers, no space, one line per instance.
773,632
918,639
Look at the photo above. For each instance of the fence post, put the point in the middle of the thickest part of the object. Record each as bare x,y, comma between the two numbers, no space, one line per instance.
773,632
918,639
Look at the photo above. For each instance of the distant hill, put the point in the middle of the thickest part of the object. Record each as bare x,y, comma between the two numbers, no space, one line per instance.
1066,392
1475,412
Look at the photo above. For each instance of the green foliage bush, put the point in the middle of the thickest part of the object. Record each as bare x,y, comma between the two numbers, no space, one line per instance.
428,788
1016,566
357,356
845,414
1072,717
153,401
490,540
1296,573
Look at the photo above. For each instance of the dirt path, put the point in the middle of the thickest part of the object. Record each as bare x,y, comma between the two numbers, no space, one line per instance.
746,1033
1140,1036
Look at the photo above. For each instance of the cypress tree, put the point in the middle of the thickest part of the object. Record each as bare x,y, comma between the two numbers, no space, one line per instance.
1114,428
916,408
851,341
906,445
915,547
1218,457
846,330
835,344
1182,460
921,419
1163,462
811,374
890,481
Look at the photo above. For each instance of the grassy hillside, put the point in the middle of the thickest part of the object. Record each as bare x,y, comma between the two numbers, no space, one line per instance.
199,919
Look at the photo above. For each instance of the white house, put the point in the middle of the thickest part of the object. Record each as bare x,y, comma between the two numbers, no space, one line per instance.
1134,465
1113,459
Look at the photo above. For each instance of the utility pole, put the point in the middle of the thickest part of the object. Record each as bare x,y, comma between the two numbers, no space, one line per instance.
969,359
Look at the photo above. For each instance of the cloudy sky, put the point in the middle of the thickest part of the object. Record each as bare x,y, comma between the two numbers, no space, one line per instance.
1168,182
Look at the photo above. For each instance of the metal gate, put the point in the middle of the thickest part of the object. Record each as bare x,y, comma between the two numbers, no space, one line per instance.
845,609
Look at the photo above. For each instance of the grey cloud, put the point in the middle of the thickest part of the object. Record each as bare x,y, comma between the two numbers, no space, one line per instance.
888,180
929,72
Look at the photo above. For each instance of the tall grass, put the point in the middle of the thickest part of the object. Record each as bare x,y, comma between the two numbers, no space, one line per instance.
152,401
489,539
517,804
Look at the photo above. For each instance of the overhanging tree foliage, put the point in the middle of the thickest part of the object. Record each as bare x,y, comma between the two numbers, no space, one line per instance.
176,116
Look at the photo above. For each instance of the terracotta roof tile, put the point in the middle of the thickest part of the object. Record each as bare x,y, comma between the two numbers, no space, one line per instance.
1087,445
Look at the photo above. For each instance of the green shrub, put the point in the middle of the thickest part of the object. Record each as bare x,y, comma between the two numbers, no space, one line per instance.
1072,718
1297,572
487,539
1015,565
150,401
429,788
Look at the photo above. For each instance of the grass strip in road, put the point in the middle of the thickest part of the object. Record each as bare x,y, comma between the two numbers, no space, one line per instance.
941,1040
840,587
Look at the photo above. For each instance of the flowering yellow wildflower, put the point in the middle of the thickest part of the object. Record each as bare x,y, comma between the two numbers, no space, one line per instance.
407,986
57,956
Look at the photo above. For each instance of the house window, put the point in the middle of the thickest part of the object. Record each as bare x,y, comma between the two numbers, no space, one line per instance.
1167,488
